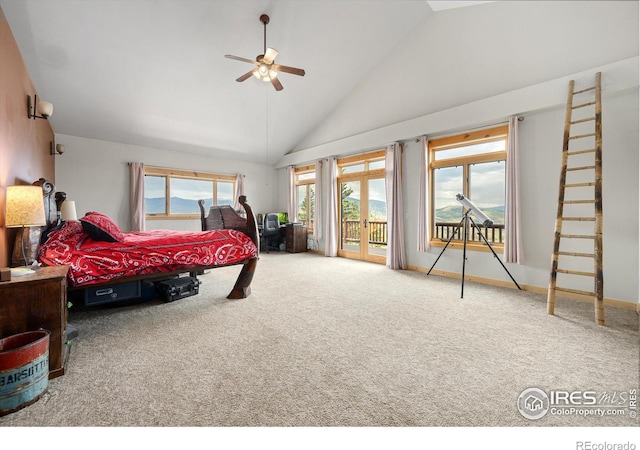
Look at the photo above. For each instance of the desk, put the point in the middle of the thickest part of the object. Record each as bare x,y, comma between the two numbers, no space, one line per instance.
296,238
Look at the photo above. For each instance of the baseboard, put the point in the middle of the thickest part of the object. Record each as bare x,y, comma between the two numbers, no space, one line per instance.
540,290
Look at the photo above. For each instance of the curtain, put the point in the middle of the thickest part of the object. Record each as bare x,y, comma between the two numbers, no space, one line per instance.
136,196
513,248
395,213
331,213
317,205
239,191
291,203
424,230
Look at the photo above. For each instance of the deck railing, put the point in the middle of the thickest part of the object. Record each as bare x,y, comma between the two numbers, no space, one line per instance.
494,233
377,231
444,230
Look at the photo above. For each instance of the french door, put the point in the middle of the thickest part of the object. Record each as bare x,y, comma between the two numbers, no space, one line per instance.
363,217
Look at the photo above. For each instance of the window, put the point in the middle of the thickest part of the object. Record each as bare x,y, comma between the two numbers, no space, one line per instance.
175,193
471,164
306,194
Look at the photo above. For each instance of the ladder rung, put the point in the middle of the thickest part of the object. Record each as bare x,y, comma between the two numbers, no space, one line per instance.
576,272
581,168
575,202
576,291
582,120
579,219
578,236
583,105
584,90
580,136
581,255
580,152
593,183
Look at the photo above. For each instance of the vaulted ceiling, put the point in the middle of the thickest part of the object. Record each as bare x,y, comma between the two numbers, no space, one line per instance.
153,73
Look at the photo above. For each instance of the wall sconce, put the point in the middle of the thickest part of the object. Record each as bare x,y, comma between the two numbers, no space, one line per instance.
25,209
55,148
45,108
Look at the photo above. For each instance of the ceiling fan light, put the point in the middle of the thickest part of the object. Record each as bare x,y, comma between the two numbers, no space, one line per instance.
265,73
262,73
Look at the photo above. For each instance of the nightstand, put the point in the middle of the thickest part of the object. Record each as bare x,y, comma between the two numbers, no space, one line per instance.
34,301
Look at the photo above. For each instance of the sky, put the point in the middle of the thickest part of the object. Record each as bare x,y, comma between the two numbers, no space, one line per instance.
487,181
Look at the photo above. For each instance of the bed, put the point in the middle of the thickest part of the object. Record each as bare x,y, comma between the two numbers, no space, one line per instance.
101,256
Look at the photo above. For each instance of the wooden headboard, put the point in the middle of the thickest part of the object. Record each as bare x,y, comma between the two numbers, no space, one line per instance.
225,217
52,206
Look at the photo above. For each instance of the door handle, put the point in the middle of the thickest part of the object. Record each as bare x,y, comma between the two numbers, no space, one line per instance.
365,223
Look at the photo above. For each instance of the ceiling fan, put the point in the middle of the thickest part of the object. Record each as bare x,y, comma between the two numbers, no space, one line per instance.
266,69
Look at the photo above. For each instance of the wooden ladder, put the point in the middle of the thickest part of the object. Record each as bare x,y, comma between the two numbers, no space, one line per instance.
579,247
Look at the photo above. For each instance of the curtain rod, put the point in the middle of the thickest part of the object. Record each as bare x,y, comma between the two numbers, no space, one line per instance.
502,122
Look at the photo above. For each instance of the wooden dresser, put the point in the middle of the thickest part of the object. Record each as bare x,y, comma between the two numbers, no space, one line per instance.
38,300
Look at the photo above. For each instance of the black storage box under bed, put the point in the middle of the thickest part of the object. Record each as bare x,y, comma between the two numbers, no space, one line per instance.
177,288
99,295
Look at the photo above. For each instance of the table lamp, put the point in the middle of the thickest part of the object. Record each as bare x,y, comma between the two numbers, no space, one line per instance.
68,211
24,208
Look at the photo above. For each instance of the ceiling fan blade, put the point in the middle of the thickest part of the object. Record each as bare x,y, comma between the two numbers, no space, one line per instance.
287,69
270,55
246,75
276,84
238,58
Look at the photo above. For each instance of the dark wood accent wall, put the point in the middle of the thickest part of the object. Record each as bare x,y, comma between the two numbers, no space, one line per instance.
24,142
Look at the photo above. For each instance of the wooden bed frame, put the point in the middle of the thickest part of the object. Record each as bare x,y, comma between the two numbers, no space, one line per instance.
224,217
219,217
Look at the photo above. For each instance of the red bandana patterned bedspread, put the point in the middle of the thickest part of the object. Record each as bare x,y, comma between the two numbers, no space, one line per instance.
93,262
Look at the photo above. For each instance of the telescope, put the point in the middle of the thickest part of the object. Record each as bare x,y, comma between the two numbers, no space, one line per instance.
463,227
486,221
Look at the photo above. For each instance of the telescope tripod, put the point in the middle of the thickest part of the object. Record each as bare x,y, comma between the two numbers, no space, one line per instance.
466,219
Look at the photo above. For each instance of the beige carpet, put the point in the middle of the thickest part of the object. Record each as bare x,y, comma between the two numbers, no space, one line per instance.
333,342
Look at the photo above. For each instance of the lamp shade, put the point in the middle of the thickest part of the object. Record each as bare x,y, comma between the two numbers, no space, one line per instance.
45,108
24,207
68,211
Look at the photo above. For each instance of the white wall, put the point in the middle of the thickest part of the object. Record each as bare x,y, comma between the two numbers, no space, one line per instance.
95,174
